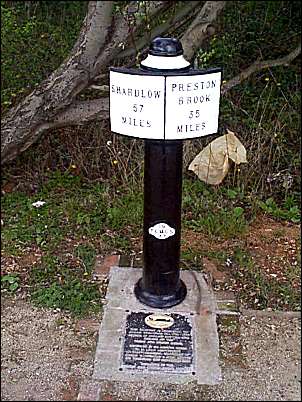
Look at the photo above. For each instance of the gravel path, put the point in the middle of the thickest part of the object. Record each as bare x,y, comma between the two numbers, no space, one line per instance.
46,356
271,362
265,368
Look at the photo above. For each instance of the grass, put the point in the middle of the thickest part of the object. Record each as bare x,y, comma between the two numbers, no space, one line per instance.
75,211
222,223
56,284
266,292
74,208
126,210
71,209
79,220
215,212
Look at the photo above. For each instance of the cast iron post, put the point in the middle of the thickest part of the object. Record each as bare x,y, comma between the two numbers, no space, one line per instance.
165,101
160,285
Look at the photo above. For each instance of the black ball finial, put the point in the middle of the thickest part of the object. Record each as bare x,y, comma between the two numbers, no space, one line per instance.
165,47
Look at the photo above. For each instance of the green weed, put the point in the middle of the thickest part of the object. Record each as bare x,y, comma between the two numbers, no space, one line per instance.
57,181
81,211
191,259
55,284
25,224
260,290
222,223
39,30
126,210
10,282
117,242
88,212
74,296
86,254
219,256
288,211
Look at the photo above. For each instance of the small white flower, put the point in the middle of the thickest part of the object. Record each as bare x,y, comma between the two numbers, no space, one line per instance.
228,262
38,204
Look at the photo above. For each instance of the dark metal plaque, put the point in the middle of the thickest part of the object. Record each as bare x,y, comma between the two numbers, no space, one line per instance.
153,349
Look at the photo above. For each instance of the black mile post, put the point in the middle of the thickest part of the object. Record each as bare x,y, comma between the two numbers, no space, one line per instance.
160,285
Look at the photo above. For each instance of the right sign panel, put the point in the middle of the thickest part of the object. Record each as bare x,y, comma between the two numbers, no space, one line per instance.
192,105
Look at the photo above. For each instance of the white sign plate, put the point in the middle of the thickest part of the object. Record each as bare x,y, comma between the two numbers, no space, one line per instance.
164,107
137,105
192,105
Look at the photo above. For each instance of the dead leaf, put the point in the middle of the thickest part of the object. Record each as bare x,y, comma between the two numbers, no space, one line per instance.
235,149
212,164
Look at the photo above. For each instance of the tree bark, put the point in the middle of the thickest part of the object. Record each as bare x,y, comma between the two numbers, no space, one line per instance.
160,29
201,28
102,39
54,102
42,109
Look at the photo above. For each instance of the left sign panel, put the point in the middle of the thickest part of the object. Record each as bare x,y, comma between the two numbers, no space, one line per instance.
137,105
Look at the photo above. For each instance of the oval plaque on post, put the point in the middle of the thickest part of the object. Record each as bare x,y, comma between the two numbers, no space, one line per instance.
161,231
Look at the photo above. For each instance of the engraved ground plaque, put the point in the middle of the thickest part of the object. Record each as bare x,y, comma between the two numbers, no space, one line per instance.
148,349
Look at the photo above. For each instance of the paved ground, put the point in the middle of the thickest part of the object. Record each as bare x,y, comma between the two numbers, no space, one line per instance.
48,356
198,309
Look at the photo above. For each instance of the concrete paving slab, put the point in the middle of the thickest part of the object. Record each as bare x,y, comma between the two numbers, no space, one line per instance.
200,309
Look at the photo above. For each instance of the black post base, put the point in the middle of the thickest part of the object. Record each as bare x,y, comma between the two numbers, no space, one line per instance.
160,301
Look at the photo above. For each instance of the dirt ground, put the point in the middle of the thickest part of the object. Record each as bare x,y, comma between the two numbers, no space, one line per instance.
274,250
47,356
44,353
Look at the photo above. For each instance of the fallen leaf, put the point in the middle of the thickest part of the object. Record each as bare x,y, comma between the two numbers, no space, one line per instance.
212,164
235,149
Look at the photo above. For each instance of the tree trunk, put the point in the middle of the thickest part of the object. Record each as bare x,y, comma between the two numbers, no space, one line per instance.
45,107
54,103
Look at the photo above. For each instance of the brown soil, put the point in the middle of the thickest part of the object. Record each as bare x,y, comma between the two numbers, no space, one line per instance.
264,238
48,354
274,249
273,246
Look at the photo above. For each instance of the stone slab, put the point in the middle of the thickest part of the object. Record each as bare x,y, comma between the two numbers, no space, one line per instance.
199,304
